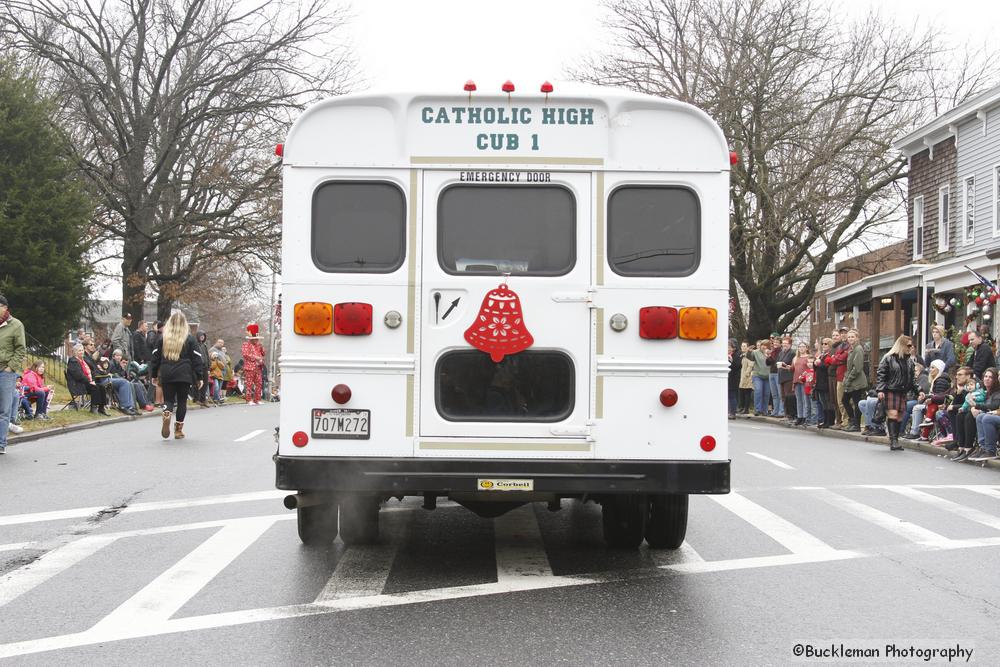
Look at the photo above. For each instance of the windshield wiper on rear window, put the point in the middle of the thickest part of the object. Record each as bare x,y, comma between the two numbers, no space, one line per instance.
657,252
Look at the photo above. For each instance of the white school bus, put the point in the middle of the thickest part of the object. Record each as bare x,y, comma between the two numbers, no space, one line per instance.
501,299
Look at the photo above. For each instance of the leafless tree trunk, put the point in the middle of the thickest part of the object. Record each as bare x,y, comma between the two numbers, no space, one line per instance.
176,107
809,102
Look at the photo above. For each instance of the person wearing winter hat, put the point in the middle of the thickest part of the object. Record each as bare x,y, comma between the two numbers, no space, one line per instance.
13,354
253,361
940,384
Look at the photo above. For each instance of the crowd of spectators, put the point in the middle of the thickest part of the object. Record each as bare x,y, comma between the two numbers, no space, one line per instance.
953,403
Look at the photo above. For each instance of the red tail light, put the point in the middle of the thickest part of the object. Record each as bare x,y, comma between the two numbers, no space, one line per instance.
658,322
300,439
341,393
708,443
352,319
668,397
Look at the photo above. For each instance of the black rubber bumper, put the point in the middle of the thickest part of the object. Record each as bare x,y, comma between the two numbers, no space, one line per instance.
402,476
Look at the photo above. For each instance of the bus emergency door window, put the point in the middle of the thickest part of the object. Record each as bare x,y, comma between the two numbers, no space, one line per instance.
358,227
653,231
521,230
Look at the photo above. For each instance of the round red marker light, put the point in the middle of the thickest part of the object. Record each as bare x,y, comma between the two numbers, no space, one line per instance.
470,86
733,157
508,86
300,439
341,393
708,443
668,397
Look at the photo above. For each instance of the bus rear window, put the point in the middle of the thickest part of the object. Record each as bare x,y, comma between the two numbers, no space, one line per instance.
653,231
532,386
491,230
358,227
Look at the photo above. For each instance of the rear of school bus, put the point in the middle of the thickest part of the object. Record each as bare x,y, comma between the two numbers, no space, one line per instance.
502,299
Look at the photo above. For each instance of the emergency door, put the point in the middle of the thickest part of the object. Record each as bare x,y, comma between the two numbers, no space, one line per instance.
505,322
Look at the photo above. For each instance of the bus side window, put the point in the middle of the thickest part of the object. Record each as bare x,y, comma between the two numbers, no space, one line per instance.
653,231
358,227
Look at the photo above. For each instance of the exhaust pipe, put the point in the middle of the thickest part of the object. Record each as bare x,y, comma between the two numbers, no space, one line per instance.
299,500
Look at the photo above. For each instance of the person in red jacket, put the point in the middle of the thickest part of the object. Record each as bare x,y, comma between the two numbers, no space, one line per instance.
838,362
35,388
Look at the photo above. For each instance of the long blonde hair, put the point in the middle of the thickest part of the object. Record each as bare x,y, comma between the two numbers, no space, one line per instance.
901,347
175,333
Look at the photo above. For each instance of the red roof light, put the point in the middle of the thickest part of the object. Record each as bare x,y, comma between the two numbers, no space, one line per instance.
508,86
546,87
470,86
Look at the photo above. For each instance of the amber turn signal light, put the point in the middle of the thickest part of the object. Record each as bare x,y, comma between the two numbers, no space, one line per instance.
698,323
313,318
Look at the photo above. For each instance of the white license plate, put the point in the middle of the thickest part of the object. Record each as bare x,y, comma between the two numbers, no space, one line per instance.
341,423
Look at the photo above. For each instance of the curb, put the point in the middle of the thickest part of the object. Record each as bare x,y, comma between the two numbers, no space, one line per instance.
924,447
83,426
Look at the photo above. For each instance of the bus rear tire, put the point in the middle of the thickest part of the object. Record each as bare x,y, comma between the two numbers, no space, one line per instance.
317,524
624,519
667,523
358,519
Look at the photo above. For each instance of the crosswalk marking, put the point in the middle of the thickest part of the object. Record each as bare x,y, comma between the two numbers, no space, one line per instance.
20,581
250,436
780,464
947,505
166,594
666,557
904,529
520,552
16,546
360,572
81,512
781,531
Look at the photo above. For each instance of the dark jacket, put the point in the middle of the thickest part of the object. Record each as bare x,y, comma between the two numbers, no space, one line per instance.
894,374
140,349
188,368
941,389
981,360
735,367
203,351
76,380
992,401
822,376
785,357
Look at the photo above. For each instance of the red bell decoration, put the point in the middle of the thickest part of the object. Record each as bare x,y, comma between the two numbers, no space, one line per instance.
994,297
979,300
499,327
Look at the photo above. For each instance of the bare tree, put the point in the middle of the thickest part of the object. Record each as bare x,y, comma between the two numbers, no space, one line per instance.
811,104
176,107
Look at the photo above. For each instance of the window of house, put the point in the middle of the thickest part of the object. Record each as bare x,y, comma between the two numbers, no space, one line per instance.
944,217
918,227
969,209
358,227
522,230
653,231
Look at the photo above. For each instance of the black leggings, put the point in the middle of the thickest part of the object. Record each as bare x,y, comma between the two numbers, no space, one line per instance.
176,392
965,429
851,400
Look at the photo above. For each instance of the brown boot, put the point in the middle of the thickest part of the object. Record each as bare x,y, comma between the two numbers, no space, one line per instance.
165,428
178,430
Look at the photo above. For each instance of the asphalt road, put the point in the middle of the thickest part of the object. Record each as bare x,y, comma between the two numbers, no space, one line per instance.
117,548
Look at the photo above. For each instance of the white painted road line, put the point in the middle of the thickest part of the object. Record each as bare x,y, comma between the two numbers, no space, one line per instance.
80,512
781,531
166,594
250,436
23,579
16,546
776,462
520,552
893,524
948,506
361,571
667,557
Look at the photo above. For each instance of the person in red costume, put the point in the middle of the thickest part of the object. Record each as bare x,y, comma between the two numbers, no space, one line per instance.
253,361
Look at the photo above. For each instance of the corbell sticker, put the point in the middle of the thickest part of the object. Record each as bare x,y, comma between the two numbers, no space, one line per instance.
499,327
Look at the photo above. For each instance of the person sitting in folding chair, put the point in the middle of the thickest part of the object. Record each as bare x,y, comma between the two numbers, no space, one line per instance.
940,384
36,391
80,377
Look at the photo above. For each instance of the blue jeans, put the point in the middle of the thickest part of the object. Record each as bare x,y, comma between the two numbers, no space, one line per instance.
988,423
775,386
732,401
8,403
917,416
867,407
760,393
216,389
818,408
122,389
802,403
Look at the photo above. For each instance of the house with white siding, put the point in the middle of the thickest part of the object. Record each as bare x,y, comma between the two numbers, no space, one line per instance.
953,225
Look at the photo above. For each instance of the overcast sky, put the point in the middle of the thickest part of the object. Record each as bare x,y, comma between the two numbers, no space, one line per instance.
431,44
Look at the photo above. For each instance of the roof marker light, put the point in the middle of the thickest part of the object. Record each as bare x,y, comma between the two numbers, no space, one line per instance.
279,150
508,87
546,88
733,158
470,87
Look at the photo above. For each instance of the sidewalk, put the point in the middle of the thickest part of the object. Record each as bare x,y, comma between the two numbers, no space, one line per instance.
13,439
914,445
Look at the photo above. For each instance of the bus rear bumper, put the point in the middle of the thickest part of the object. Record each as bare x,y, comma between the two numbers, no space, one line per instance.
407,476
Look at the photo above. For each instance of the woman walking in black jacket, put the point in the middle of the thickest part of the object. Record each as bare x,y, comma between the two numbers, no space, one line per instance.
894,378
176,365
